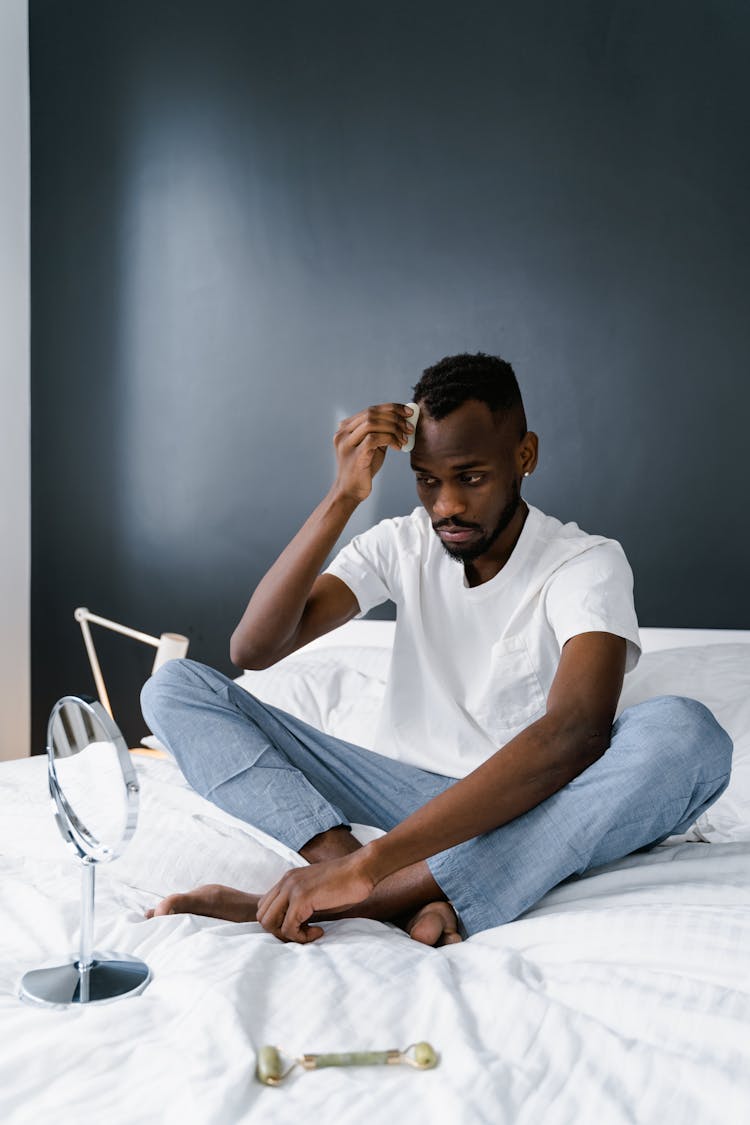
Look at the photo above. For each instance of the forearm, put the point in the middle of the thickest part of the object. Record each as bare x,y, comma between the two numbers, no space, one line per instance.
529,769
268,626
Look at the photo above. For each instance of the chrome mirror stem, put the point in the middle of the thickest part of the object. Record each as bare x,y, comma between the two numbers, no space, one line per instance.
88,875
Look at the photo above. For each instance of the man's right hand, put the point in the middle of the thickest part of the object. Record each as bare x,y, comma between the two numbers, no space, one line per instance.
361,443
294,603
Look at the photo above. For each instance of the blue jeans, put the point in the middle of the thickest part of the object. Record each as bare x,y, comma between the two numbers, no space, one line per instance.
667,762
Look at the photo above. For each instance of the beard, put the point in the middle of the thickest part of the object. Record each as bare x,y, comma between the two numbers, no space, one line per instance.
468,554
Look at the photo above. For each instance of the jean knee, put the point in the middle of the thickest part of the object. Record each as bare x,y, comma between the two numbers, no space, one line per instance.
688,729
165,682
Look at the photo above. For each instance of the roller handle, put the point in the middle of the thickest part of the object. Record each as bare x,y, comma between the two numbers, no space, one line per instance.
351,1058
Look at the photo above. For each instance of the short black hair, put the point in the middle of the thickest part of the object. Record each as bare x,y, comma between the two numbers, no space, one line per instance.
457,378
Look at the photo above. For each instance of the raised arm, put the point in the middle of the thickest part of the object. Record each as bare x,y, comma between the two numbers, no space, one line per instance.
293,603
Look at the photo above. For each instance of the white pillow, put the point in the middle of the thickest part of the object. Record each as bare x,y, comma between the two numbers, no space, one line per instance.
718,676
338,689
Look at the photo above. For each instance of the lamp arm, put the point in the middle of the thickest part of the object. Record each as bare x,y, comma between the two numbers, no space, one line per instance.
94,661
82,614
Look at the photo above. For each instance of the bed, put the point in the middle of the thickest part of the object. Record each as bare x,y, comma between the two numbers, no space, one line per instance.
623,996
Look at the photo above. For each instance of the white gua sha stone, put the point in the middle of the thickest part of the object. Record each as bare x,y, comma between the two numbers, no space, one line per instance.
412,419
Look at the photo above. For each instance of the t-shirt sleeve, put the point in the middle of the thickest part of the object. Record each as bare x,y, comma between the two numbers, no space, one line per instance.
366,565
593,593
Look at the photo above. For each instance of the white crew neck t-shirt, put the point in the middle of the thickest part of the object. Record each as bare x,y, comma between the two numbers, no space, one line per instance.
472,666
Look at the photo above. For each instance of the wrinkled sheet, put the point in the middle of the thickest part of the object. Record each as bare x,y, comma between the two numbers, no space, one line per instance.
624,996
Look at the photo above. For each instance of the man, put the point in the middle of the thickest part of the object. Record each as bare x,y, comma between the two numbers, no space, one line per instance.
497,770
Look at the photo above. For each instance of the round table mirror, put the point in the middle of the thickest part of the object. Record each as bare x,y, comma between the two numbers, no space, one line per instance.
95,801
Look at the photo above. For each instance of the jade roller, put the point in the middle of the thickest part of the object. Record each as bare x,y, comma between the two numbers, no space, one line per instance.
270,1068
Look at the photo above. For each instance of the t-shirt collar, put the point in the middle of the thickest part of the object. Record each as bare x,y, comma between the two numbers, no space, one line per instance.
515,563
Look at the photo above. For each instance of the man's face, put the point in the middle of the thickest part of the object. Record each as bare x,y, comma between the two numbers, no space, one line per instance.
468,470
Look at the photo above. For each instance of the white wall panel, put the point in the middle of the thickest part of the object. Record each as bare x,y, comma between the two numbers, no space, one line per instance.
15,514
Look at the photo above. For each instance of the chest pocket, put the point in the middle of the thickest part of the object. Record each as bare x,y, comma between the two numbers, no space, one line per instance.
512,696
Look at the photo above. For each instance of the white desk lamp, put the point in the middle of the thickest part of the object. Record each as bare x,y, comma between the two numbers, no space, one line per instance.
169,646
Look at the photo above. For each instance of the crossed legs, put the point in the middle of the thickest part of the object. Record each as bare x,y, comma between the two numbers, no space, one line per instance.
668,761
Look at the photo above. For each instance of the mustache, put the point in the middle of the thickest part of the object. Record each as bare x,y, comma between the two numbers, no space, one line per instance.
455,523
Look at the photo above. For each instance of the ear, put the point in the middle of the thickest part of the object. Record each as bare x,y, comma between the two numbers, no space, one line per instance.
528,453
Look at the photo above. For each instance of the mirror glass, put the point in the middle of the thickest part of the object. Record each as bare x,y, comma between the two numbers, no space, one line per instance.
94,792
87,767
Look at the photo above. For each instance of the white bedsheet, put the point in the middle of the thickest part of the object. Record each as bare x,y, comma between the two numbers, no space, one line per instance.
624,996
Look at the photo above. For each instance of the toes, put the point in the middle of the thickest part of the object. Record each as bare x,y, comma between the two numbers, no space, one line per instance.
169,905
435,924
427,929
173,904
199,901
450,937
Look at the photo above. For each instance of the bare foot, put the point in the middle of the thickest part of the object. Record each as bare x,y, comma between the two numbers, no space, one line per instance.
435,924
213,901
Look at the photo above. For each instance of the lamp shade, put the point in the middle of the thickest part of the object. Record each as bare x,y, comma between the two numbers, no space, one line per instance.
172,646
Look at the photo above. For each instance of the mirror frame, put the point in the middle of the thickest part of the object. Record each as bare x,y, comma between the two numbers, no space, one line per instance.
73,831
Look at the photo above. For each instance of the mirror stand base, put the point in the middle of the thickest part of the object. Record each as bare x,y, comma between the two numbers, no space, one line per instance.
108,977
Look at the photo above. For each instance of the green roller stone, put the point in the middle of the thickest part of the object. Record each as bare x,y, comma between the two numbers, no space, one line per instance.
425,1055
269,1066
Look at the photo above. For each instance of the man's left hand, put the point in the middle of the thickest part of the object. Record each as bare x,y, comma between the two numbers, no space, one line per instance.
330,886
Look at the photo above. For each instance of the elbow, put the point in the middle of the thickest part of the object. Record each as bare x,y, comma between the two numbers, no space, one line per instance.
237,655
249,657
590,741
247,661
582,738
242,655
594,746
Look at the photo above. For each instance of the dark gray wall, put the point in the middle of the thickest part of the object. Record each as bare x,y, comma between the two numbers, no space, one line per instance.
250,220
